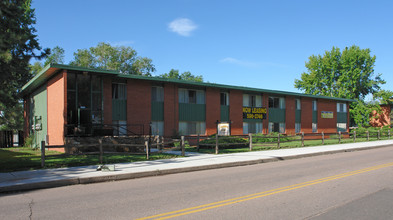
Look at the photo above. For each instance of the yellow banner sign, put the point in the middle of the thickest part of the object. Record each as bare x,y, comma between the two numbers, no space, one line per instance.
254,113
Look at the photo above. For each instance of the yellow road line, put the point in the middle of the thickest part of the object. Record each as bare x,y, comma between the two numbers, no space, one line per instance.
226,202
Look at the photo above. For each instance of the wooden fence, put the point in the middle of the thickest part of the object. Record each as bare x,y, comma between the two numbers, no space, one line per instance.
162,145
251,142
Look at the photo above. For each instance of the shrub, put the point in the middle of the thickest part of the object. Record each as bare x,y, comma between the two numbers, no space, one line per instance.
236,141
272,137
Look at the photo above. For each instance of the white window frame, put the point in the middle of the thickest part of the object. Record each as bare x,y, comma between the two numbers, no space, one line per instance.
314,105
314,127
341,107
298,104
298,127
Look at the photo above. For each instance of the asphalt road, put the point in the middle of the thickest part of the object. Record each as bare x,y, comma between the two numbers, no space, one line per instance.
353,185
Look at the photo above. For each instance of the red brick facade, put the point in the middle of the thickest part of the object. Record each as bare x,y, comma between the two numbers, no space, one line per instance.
290,115
327,125
213,110
306,115
235,111
139,105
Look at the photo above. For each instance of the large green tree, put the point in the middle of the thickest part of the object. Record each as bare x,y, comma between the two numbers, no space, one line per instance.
346,74
174,74
18,44
121,58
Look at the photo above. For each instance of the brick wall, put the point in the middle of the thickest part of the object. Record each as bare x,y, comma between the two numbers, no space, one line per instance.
236,111
327,125
290,115
306,115
139,104
213,110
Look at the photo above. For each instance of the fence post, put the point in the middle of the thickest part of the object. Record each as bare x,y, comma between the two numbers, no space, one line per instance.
198,143
42,153
368,135
101,150
339,137
147,150
158,143
379,134
323,138
354,136
250,139
216,143
302,139
278,140
182,144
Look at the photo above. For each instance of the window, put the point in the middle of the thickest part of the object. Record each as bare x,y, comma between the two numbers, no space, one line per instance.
297,127
341,107
314,105
157,128
314,127
341,126
277,127
282,127
224,98
157,94
252,127
275,102
252,100
191,96
298,104
119,91
192,128
119,128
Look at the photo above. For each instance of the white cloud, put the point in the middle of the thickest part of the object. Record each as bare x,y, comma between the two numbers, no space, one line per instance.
182,26
122,43
239,62
250,63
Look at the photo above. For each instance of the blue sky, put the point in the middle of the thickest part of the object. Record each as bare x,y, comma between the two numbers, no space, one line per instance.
262,44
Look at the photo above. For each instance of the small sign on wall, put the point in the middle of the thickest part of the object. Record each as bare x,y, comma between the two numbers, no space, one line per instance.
325,114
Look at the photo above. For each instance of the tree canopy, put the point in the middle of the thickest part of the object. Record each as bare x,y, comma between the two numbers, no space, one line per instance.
174,74
18,44
121,58
346,74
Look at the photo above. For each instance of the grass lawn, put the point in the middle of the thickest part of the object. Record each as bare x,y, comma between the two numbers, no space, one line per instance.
18,159
273,146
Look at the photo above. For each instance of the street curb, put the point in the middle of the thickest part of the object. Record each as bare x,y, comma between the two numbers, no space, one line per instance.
117,177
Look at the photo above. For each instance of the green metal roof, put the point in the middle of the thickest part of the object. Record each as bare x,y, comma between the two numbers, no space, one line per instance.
49,70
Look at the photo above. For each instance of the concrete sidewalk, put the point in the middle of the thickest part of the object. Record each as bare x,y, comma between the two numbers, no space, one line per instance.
47,178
